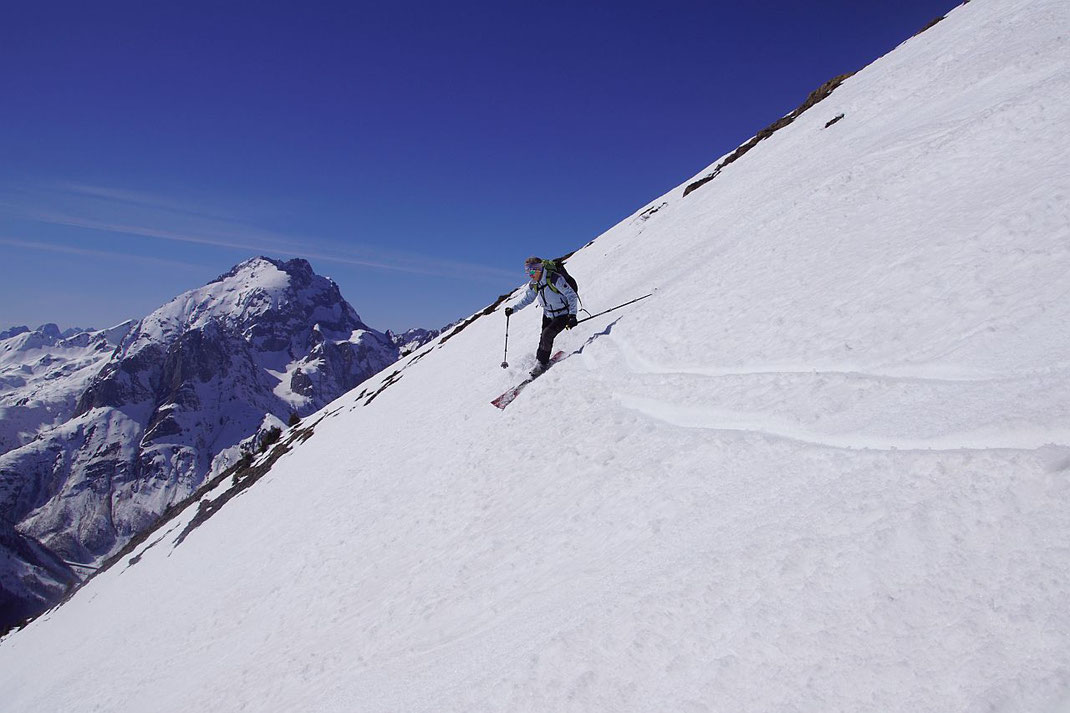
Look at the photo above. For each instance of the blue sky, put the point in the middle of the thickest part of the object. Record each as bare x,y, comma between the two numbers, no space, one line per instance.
416,152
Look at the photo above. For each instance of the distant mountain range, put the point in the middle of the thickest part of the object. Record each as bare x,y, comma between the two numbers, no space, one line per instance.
100,431
47,330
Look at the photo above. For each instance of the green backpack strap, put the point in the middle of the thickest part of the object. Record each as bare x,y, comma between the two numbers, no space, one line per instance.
550,266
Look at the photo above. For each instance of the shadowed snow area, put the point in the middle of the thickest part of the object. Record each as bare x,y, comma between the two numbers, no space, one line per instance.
826,467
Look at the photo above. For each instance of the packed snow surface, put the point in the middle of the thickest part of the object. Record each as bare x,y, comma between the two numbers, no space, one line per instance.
826,467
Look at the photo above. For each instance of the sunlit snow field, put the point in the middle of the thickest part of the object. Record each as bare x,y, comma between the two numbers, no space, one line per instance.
826,467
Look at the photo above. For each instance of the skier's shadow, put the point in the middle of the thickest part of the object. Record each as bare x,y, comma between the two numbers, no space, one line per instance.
604,332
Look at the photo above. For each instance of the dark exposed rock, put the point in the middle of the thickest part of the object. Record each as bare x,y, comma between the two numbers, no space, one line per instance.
50,330
40,579
645,215
13,332
300,383
815,96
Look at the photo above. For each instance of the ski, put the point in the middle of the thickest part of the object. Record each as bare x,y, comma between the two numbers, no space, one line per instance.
507,398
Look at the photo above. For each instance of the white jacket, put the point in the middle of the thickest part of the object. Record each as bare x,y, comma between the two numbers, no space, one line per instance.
556,300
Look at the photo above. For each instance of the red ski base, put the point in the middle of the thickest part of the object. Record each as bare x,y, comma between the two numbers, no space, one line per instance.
507,398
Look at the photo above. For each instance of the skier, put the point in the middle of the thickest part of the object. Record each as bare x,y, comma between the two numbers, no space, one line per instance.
559,304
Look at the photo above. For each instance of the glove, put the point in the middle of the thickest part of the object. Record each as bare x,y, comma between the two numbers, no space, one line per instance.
508,311
572,322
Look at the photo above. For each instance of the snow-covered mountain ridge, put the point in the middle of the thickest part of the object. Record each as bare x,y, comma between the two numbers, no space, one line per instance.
103,431
42,374
826,467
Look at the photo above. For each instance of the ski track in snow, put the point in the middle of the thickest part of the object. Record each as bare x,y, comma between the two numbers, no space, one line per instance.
917,372
1019,435
711,419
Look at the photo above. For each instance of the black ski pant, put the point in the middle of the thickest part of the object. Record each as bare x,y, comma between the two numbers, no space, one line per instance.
551,327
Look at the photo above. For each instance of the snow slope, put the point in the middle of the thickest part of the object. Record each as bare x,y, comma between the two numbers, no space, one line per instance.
825,468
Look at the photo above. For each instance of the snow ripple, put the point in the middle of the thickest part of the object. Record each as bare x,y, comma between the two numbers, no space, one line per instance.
1025,437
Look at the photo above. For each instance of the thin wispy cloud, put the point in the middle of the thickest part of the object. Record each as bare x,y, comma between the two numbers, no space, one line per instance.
232,240
88,252
229,239
142,199
146,215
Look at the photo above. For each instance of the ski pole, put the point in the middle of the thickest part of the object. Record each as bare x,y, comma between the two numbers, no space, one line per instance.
611,308
505,357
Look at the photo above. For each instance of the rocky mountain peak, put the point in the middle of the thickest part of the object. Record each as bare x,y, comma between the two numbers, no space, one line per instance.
263,298
298,268
171,399
13,332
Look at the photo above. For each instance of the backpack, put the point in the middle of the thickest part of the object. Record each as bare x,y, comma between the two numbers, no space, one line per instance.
557,266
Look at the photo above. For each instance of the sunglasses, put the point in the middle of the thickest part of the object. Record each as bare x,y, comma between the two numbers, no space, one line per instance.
532,270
